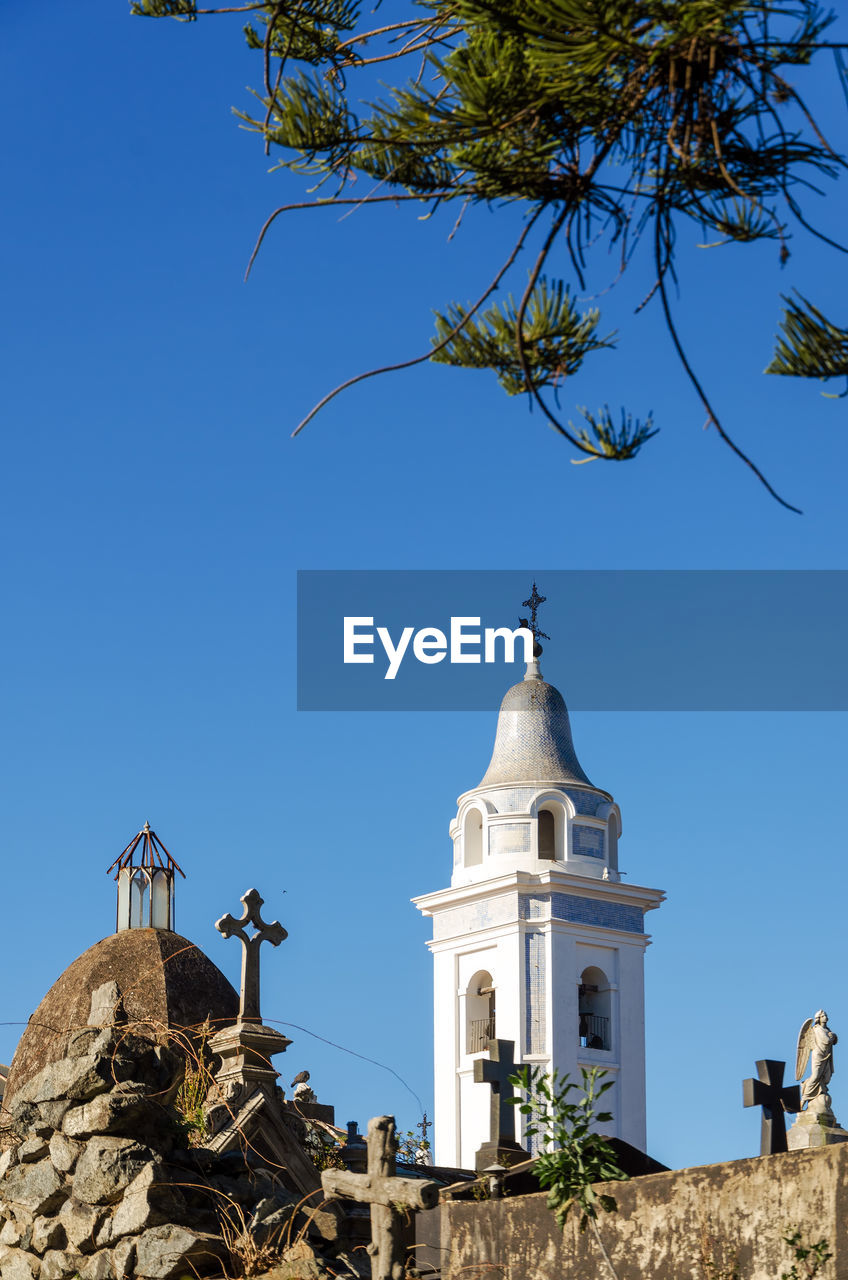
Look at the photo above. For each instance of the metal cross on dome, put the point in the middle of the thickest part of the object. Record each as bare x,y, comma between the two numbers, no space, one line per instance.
273,933
533,604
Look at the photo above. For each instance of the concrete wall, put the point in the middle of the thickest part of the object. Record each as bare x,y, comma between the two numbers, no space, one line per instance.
715,1222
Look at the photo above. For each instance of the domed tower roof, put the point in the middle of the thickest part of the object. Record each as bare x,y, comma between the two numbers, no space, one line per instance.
533,741
166,982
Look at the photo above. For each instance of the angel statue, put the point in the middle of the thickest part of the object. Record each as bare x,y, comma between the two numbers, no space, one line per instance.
815,1045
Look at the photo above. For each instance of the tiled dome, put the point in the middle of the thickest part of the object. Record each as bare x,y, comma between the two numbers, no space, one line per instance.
533,741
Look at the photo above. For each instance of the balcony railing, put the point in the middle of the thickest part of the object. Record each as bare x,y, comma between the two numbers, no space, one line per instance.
480,1032
594,1031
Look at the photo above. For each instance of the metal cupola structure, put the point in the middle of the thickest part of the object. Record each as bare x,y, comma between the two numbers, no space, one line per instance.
145,873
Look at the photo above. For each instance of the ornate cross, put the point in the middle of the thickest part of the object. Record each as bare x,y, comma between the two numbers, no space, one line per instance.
533,604
496,1071
273,933
775,1099
388,1196
424,1124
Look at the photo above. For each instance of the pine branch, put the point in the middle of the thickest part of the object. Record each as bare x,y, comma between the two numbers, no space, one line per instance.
809,345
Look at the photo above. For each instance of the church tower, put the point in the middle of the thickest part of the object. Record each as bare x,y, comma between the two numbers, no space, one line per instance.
538,940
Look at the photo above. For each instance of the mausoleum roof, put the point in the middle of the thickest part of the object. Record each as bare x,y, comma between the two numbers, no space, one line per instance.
166,983
533,741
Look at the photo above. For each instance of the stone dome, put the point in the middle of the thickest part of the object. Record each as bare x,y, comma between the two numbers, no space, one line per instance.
165,981
533,741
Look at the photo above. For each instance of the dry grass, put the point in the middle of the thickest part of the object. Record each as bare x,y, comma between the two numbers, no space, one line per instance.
249,1256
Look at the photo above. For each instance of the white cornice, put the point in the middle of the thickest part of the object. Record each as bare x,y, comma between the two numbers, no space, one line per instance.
536,784
529,882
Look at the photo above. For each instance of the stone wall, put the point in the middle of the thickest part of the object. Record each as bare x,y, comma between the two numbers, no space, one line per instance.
709,1223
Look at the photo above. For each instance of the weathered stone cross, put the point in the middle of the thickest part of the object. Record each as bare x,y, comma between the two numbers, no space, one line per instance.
775,1099
496,1070
387,1195
273,933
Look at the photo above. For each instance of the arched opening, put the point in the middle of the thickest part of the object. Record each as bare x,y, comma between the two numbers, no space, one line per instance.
612,842
139,900
547,835
160,902
594,1009
479,1012
472,838
124,899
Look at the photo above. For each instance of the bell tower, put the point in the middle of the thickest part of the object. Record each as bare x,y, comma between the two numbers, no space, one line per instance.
538,940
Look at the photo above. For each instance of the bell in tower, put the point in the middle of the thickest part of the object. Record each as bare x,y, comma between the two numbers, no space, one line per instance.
145,875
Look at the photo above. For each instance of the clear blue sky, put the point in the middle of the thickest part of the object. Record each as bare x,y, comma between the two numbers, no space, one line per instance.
155,513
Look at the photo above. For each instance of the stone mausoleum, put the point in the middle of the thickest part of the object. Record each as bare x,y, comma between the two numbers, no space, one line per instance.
143,1132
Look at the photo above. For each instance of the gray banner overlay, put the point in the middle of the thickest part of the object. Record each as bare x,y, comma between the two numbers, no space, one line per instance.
620,640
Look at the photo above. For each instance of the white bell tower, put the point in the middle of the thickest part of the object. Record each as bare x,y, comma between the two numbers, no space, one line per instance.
537,940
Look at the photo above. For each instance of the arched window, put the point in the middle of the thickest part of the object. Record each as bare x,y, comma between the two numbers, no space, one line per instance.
547,835
160,916
139,899
124,899
594,1009
612,842
472,836
479,1012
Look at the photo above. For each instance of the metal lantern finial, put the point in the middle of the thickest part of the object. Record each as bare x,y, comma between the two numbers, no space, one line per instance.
145,886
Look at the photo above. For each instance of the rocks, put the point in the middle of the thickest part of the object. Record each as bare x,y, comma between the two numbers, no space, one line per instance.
57,1265
106,1168
51,1114
171,1251
126,1109
123,1259
23,1120
69,1079
13,1233
48,1233
97,1267
63,1152
34,1148
15,1264
36,1187
149,1201
300,1262
94,1185
81,1222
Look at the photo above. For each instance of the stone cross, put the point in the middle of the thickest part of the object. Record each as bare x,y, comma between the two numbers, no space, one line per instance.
273,933
496,1071
775,1098
387,1195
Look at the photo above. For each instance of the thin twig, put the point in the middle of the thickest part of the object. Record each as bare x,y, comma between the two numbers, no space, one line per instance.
329,203
519,336
693,378
428,355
